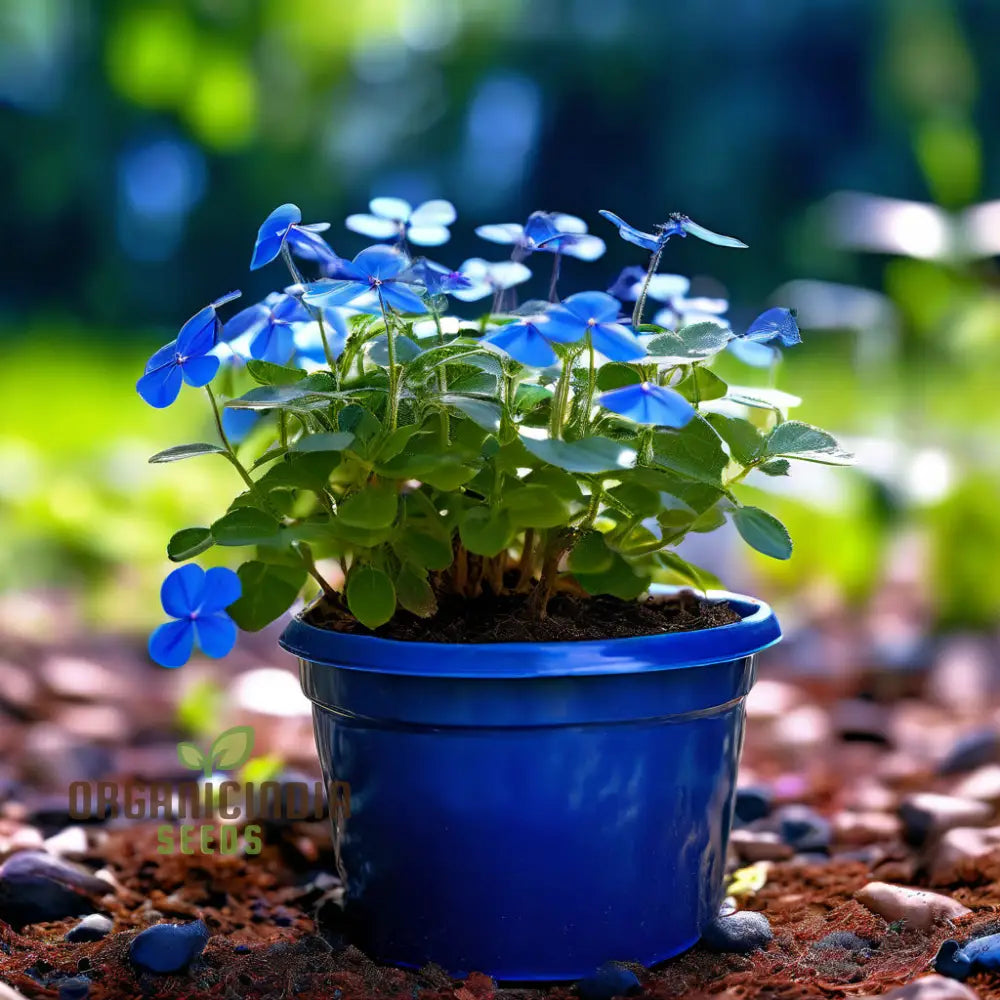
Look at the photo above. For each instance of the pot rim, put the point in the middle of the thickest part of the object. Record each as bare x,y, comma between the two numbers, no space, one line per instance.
757,630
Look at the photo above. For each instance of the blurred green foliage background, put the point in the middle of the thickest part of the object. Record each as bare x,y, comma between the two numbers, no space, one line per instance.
853,143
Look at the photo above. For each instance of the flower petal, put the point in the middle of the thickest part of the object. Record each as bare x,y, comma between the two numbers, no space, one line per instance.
308,245
198,334
664,287
632,235
161,386
391,208
327,292
774,324
249,320
501,232
587,247
373,227
271,234
168,352
561,325
222,587
593,305
171,644
752,353
524,343
616,342
709,237
647,403
428,236
238,423
216,634
380,262
402,298
200,371
182,591
568,223
436,212
273,343
508,273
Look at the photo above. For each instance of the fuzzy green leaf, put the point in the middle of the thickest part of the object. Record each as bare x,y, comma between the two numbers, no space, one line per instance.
695,452
619,579
776,467
414,592
591,554
372,507
702,385
188,543
269,590
691,343
182,451
479,411
763,532
485,532
795,439
534,507
330,441
371,596
591,456
745,442
266,373
423,549
245,526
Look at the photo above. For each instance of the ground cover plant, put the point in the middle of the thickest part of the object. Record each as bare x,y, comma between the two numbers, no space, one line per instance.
539,450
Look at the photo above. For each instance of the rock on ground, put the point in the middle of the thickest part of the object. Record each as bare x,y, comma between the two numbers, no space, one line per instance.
915,907
933,987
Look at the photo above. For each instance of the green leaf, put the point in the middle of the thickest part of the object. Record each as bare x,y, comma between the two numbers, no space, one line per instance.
795,439
534,507
681,571
245,526
299,397
190,756
330,441
182,451
232,748
372,507
776,467
588,455
423,549
479,411
397,441
188,543
763,532
695,451
701,385
308,470
266,373
691,343
639,501
615,375
763,398
619,579
444,471
745,442
485,532
591,554
269,590
528,396
561,484
414,592
371,596
378,349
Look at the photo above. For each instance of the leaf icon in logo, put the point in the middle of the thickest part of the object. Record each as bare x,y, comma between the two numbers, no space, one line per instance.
190,756
232,748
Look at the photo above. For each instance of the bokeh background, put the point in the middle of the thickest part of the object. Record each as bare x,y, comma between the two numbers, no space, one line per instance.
852,143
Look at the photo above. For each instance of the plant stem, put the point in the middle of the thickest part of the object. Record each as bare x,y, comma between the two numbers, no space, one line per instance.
591,384
640,303
593,507
390,339
442,381
231,451
560,396
553,294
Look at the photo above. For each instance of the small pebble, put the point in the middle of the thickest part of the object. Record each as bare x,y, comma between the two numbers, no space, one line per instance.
759,845
166,948
77,988
960,961
608,981
931,988
742,932
68,843
804,830
35,887
846,940
91,928
916,908
961,845
926,815
752,803
971,751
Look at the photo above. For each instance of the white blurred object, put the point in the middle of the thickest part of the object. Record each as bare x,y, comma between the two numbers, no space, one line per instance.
271,691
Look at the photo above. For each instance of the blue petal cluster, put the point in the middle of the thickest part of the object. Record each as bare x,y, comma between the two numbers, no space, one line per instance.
552,232
186,359
676,225
648,403
196,599
284,225
377,276
395,219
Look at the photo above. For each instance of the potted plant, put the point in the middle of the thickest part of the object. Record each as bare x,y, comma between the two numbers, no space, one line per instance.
541,738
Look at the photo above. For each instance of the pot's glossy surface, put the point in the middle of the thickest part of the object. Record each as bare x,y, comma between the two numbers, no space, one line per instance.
532,810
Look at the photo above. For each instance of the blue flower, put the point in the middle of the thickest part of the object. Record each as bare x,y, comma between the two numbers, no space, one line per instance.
775,324
238,423
594,313
553,232
489,277
267,327
676,225
436,278
392,218
662,287
528,340
186,359
376,273
283,225
197,600
308,339
647,403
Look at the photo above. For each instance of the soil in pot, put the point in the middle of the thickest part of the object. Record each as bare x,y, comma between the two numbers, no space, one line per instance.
492,618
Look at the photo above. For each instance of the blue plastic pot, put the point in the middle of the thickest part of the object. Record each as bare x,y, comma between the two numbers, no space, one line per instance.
531,810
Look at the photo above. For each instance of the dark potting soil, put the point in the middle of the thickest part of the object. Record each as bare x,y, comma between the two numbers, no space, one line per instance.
488,619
